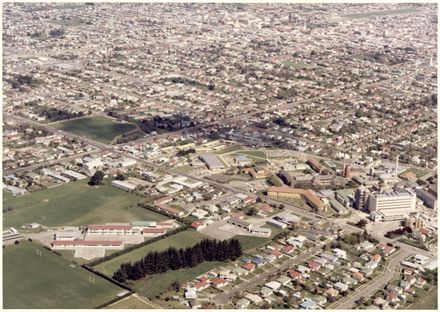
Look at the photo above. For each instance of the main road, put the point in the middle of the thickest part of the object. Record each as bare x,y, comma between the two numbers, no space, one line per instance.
224,297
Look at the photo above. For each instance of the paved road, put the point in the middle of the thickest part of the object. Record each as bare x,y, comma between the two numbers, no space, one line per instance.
378,283
224,297
47,163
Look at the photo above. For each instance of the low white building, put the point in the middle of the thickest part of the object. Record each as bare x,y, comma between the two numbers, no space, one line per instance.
126,186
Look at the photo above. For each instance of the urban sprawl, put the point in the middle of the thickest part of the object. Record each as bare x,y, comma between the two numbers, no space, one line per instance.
252,156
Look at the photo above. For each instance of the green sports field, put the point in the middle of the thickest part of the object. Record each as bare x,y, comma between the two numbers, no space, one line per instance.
75,204
179,240
31,281
158,283
100,128
381,13
130,303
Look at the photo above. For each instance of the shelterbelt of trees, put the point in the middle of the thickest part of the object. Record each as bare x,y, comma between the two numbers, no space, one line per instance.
175,259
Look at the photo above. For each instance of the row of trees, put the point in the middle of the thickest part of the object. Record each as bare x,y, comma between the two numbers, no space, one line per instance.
175,259
56,114
96,179
186,152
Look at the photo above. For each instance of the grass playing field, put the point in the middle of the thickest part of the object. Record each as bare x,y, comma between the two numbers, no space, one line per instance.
31,281
179,240
380,13
100,128
76,203
428,301
251,242
130,303
158,283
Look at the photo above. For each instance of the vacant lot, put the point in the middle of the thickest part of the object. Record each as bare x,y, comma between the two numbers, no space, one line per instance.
99,128
158,283
380,13
76,203
179,240
31,281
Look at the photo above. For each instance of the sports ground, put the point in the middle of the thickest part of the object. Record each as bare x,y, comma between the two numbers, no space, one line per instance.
75,204
49,281
99,128
179,240
158,283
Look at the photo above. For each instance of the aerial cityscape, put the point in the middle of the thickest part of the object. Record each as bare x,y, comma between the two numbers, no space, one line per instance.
220,156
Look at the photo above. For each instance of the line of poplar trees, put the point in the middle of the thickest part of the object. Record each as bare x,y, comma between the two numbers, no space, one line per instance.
174,259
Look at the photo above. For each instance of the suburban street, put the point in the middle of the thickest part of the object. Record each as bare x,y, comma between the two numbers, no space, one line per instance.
366,291
224,297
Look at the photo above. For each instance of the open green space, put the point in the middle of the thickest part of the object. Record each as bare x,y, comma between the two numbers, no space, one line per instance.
67,22
418,172
251,242
294,65
158,283
258,154
230,149
427,301
48,281
130,303
99,128
75,204
412,242
179,240
381,13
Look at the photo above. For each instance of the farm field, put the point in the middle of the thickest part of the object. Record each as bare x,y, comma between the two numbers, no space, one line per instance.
157,283
31,281
76,203
99,128
179,240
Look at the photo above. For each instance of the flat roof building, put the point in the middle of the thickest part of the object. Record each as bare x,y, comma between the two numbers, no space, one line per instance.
392,205
308,195
212,161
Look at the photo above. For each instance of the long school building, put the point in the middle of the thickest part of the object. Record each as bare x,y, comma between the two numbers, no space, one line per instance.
307,195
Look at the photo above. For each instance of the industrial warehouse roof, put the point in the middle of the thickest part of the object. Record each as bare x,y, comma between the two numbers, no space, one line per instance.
212,160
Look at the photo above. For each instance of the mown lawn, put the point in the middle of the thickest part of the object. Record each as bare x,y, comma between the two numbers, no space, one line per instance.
31,281
380,13
251,242
179,240
99,128
130,303
75,204
158,283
